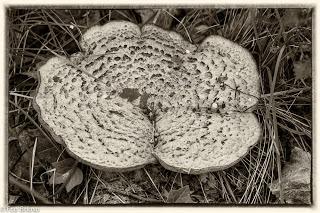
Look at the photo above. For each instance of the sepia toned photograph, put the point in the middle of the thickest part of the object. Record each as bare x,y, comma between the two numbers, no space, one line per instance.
159,106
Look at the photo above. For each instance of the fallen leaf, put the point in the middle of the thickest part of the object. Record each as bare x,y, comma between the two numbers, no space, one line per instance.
295,179
64,165
302,69
75,179
58,178
181,195
63,171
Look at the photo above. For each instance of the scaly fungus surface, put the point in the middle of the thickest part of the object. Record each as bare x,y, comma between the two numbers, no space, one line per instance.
136,95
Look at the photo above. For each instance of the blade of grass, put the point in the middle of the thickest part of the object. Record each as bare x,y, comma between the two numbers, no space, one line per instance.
32,167
274,120
184,27
154,184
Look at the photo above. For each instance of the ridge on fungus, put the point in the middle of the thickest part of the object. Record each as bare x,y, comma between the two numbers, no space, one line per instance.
137,95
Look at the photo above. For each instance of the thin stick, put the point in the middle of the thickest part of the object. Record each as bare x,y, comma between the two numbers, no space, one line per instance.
153,184
203,192
156,16
95,189
24,180
286,92
181,24
173,181
118,197
20,95
32,167
25,188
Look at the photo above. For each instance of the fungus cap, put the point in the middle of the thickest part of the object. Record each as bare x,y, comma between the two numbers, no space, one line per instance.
98,102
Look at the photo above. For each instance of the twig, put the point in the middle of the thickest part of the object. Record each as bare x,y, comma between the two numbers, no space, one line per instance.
95,189
203,192
32,167
20,95
153,184
25,188
156,16
286,92
24,180
119,198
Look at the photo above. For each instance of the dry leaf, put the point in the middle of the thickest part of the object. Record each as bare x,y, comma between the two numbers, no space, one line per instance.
75,179
181,195
62,172
302,69
295,178
64,165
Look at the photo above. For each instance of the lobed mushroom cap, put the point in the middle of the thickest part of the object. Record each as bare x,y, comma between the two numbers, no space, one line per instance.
98,103
193,143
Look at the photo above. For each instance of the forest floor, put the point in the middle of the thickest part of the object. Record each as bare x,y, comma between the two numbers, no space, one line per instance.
280,41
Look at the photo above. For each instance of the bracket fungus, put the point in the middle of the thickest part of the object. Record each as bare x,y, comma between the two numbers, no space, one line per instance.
135,96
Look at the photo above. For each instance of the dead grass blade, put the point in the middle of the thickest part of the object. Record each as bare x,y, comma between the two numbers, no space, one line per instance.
274,120
154,184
